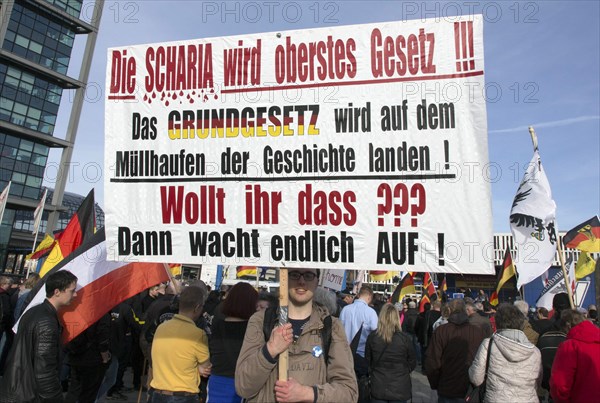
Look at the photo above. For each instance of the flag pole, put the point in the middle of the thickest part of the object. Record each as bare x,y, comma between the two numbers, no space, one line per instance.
4,200
283,318
171,280
533,138
560,250
37,218
32,250
34,241
565,274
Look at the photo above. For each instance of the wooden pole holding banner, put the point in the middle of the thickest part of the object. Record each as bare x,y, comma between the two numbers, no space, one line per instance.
139,398
560,250
171,280
283,319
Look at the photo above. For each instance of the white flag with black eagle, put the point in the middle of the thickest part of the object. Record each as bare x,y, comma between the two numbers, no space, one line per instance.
532,223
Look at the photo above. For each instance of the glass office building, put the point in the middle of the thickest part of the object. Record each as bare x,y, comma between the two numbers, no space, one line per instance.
37,39
23,228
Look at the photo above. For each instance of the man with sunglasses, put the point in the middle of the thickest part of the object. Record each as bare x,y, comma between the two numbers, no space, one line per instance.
310,377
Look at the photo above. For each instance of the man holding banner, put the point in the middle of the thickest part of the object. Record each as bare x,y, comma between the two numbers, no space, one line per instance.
316,372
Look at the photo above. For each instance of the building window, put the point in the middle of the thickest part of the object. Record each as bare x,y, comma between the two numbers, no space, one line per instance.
23,162
39,39
24,219
27,100
72,7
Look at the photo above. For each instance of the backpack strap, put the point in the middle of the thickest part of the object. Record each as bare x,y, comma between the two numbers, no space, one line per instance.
269,321
326,337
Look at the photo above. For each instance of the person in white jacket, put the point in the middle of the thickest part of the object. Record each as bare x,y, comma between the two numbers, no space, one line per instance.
515,367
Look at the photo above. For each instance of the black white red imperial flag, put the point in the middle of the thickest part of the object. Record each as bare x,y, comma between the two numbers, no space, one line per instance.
101,284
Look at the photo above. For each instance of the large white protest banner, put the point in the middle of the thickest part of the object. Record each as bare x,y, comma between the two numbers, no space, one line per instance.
349,147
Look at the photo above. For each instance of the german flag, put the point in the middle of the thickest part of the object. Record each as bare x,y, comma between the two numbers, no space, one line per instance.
175,269
43,248
381,275
80,228
585,236
585,265
243,271
406,286
507,272
442,287
428,292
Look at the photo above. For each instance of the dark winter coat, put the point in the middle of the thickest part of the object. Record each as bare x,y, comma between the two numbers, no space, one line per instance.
85,350
121,322
6,314
390,374
32,369
481,320
410,320
424,326
548,344
451,351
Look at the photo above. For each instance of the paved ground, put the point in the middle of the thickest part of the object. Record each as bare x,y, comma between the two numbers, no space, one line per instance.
420,390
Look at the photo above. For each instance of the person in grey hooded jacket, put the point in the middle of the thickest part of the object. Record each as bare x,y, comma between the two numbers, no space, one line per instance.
515,368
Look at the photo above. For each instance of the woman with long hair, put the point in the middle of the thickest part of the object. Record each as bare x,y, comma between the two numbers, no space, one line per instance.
226,341
391,356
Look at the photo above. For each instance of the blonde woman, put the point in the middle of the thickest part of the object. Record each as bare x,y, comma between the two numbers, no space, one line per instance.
391,356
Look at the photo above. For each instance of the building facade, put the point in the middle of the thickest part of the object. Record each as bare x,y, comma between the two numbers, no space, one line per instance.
36,44
22,242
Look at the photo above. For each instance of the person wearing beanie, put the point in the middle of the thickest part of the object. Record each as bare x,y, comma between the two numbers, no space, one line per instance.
560,302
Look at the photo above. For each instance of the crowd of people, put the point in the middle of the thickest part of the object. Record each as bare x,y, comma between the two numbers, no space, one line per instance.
187,343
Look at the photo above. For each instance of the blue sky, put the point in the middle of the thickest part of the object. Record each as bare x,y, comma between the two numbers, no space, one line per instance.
542,68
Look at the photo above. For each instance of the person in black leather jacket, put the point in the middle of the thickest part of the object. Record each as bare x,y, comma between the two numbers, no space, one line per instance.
32,369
